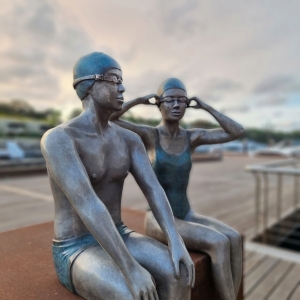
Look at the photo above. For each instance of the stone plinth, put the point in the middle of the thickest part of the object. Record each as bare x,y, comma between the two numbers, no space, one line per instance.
27,272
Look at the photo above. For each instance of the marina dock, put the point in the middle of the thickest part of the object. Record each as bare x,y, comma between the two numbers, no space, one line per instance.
222,190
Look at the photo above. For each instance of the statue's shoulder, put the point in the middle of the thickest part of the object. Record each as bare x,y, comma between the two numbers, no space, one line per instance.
128,135
57,137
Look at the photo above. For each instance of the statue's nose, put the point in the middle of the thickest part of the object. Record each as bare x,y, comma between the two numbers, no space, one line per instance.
121,88
175,104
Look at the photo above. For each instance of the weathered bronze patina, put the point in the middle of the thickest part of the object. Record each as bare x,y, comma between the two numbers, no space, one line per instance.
88,159
170,148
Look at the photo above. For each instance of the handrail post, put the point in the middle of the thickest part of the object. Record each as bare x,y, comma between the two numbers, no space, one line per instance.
279,202
296,191
279,196
265,207
263,204
257,201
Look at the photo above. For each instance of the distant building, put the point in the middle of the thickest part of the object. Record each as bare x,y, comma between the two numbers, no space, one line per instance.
10,126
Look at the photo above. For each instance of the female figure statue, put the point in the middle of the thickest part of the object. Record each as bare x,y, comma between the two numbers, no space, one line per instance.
88,159
170,148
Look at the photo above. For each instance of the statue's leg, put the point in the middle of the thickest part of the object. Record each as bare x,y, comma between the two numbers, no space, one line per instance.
236,254
201,238
96,276
155,258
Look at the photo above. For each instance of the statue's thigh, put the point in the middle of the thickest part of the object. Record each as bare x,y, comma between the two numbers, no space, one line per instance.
229,232
196,237
150,253
96,276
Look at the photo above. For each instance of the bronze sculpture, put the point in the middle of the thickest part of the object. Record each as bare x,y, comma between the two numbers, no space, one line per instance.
170,147
88,159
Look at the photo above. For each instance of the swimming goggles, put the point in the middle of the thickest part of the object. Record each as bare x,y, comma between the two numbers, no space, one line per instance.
98,77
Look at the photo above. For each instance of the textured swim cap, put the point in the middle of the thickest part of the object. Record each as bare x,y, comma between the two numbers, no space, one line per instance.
91,64
171,83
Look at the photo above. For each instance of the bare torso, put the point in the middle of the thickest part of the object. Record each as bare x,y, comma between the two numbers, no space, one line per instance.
105,172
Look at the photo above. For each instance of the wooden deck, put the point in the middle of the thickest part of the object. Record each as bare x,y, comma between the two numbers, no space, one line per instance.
270,278
222,190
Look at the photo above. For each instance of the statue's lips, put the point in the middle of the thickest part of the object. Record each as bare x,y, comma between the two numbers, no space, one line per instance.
176,113
121,99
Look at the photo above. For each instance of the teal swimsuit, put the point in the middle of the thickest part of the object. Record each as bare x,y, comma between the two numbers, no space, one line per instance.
172,172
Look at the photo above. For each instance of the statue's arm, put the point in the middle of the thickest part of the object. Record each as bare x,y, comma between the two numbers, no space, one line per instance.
146,133
67,170
230,130
145,177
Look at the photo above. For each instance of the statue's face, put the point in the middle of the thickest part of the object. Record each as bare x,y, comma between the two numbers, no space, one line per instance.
108,94
173,110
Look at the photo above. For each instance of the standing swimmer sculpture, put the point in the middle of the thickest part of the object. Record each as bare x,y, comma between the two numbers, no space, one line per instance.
170,147
88,159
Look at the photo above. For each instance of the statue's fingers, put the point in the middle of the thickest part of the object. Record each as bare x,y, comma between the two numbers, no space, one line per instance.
155,294
176,267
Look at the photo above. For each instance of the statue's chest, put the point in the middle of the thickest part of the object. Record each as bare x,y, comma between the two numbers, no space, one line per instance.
104,161
173,145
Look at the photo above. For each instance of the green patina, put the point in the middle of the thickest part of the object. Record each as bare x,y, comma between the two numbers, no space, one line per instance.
173,173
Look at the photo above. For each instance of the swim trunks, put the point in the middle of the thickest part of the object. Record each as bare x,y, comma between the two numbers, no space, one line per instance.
64,253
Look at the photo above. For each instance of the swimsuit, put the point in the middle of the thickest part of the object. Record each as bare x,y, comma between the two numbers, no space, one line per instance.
172,172
64,253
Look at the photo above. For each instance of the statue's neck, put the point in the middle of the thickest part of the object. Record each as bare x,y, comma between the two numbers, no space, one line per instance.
170,128
95,115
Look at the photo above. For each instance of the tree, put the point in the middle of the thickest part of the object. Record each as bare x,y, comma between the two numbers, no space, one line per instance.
75,113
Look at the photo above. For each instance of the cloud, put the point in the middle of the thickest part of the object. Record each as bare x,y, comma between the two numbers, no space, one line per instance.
278,84
179,18
272,101
42,22
242,108
277,114
226,53
41,46
216,88
146,83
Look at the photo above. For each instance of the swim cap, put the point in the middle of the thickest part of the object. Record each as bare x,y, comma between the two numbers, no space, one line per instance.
91,64
171,83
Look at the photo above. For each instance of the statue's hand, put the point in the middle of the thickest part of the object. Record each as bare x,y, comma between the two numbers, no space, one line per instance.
180,254
146,99
199,104
141,284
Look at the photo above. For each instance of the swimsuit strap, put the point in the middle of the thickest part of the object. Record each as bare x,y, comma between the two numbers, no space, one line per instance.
158,145
189,140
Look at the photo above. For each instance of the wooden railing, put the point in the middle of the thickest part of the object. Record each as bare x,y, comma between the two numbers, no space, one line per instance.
262,174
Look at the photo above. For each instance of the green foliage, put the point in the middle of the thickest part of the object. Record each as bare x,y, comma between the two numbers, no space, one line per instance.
263,135
22,110
75,113
27,134
203,124
149,122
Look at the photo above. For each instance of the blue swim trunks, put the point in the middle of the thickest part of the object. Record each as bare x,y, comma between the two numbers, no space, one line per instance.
64,253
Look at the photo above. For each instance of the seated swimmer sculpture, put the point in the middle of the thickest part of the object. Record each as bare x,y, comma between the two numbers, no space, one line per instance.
170,148
88,159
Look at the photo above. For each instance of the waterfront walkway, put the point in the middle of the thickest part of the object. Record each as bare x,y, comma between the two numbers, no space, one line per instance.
222,190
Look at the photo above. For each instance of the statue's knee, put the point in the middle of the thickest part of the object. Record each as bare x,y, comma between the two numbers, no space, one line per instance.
169,275
235,238
219,248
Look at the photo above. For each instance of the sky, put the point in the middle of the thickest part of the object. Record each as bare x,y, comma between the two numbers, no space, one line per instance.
240,57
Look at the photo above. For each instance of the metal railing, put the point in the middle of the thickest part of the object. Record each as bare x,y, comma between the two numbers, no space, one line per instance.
262,173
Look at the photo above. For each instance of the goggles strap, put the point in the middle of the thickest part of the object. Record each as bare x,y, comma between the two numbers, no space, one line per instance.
95,77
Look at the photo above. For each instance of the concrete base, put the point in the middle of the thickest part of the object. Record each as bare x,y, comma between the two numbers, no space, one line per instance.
27,272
